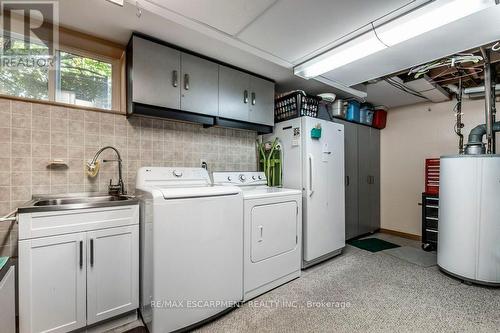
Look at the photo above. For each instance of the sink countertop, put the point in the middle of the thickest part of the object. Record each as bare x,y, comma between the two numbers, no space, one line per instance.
75,201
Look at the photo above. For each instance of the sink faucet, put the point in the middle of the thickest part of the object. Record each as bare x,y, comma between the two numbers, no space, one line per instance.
113,189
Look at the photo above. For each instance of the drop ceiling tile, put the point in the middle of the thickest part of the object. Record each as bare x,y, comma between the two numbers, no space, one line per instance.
292,29
229,16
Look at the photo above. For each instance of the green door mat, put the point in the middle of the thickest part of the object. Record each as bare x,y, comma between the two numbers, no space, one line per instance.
3,261
372,244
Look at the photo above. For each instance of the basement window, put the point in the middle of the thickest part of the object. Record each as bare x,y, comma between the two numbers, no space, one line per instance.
17,76
83,81
74,76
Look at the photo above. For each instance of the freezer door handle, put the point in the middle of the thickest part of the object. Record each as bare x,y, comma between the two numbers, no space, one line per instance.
310,191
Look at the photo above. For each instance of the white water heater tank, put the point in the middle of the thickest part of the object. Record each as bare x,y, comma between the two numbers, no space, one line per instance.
469,218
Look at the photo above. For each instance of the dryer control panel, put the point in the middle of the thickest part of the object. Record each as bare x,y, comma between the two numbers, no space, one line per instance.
240,178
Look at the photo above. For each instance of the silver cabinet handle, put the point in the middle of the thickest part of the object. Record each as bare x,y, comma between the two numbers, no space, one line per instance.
245,96
91,252
81,254
253,98
175,81
186,81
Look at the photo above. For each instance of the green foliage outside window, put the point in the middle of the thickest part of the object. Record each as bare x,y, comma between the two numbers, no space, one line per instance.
24,81
78,80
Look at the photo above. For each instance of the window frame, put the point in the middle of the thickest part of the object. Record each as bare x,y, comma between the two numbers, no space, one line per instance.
115,76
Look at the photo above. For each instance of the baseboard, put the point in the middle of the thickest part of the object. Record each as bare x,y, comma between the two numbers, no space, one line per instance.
401,234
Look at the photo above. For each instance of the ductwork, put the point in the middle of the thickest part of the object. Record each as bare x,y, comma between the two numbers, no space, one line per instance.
475,145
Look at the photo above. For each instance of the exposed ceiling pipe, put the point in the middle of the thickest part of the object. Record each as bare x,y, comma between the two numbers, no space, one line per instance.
488,101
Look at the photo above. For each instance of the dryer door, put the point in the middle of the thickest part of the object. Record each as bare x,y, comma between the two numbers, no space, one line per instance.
274,229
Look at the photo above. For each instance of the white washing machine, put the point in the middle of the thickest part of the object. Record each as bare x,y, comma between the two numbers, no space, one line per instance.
191,247
272,232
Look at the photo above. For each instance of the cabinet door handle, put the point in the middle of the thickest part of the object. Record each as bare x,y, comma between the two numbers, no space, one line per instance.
245,96
175,81
91,252
368,179
253,98
81,254
347,181
186,81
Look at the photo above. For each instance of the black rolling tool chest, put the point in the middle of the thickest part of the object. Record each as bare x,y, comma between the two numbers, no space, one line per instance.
430,219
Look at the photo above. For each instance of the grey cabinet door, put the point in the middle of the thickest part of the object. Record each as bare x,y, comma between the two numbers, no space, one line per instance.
364,180
375,172
234,94
155,74
199,85
261,101
351,173
351,178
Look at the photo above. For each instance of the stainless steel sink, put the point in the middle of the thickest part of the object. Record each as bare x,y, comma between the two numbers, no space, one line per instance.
75,201
72,201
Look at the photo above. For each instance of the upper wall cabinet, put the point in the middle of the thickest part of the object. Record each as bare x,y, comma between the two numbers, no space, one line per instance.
199,90
233,94
156,71
245,97
261,101
170,83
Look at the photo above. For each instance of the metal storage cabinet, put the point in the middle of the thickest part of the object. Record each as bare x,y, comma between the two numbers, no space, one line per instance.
156,71
368,179
199,88
233,94
261,101
375,171
362,167
351,178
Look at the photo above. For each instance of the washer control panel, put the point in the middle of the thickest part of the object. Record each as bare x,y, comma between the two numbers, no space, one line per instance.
239,178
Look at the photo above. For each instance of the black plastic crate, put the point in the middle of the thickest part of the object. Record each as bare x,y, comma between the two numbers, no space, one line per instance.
296,104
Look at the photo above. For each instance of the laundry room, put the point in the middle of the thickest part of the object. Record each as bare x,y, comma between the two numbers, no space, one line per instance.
249,166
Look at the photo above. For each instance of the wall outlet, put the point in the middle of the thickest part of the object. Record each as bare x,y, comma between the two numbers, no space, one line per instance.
204,163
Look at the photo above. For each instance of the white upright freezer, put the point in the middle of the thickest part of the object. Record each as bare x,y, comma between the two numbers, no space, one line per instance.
316,166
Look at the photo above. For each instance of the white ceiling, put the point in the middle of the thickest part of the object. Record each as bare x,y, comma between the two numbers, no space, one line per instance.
229,17
267,37
295,29
264,36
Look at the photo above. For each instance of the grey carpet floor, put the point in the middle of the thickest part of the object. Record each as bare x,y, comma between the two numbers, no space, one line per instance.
368,292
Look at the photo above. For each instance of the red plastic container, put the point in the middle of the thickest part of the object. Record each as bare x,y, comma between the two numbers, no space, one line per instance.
379,119
432,170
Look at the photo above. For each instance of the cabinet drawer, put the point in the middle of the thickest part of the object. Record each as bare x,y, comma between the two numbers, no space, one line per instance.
431,224
431,235
43,224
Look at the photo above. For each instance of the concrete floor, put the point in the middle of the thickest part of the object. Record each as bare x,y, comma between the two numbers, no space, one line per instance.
360,291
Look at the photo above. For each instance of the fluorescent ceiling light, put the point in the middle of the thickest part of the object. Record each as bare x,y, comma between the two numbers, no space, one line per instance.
417,22
350,51
117,2
427,18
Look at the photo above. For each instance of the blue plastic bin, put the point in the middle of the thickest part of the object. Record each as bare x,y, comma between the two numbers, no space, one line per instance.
366,114
352,113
